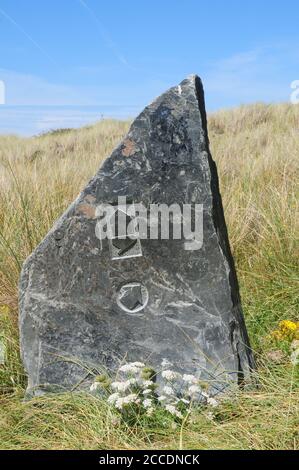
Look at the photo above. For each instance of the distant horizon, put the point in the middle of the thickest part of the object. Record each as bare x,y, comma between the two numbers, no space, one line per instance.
40,119
30,121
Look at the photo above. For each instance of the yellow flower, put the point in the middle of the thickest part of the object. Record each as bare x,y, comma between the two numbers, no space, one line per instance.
287,330
288,326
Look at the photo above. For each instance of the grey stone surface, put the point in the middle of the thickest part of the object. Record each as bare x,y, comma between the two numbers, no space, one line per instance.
86,303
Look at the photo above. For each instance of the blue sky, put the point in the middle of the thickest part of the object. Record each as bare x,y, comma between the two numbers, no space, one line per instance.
119,55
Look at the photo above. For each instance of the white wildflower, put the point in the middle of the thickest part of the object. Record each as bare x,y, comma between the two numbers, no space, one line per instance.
168,390
113,398
122,401
169,375
147,383
119,403
132,398
126,368
147,391
189,378
94,386
172,409
121,386
194,389
132,381
140,365
147,403
132,367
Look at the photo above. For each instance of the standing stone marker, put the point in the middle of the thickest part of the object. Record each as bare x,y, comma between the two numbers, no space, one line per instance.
87,303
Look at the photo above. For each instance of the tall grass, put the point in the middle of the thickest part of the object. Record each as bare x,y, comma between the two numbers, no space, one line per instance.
256,149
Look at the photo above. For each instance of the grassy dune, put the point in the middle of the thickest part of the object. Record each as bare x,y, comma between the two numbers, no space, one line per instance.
257,152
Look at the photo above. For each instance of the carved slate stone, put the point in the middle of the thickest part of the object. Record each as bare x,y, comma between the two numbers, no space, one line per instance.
87,303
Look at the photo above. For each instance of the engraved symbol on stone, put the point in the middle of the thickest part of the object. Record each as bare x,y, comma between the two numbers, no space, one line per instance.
126,243
123,245
132,297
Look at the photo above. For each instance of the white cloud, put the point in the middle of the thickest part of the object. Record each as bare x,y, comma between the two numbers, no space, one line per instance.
262,74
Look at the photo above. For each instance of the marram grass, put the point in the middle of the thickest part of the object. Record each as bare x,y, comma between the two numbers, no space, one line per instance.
257,152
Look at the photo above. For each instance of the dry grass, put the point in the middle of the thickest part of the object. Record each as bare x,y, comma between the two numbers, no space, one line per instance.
257,151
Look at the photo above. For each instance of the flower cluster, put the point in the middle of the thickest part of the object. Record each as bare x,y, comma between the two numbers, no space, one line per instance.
287,330
288,334
137,389
180,391
133,388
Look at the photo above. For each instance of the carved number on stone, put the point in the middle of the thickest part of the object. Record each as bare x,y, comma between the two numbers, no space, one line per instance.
132,297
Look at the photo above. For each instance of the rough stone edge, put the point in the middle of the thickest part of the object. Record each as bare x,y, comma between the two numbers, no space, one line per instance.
239,336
